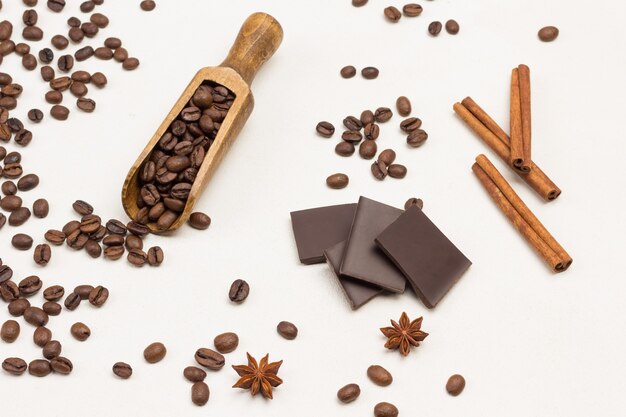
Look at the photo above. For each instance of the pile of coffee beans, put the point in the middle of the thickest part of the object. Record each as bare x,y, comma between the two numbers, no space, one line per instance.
364,131
167,176
117,238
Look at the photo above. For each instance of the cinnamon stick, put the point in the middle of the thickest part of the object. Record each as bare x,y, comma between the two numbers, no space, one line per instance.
520,215
524,93
518,157
493,135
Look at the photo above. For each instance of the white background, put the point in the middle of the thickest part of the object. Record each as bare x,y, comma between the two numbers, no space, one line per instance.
530,343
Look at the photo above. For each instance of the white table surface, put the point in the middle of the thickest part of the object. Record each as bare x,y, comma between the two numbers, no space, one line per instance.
530,343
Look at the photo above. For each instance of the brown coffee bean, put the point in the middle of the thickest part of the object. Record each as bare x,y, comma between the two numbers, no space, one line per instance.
344,148
8,103
83,291
455,385
52,349
17,306
137,257
72,301
90,223
368,149
39,368
61,365
370,73
352,123
403,105
59,112
226,342
379,375
14,366
239,291
30,285
59,42
122,370
392,14
89,29
367,117
99,79
452,27
359,3
42,254
199,392
41,208
147,5
371,131
352,136
51,308
379,170
120,54
9,188
199,221
6,30
383,114
385,410
87,6
155,256
9,291
42,336
130,64
348,393
29,62
411,124
12,170
113,43
133,242
35,115
5,273
387,156
74,22
348,71
22,241
10,331
412,10
66,63
397,171
82,207
12,90
434,28
7,47
155,352
194,374
56,5
80,331
548,33
54,293
103,53
337,181
78,89
210,359
417,138
93,248
28,182
287,330
137,229
56,237
99,20
98,296
84,54
32,33
47,73
35,316
414,202
81,76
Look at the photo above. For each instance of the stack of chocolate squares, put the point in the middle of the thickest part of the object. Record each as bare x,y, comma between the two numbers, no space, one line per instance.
374,248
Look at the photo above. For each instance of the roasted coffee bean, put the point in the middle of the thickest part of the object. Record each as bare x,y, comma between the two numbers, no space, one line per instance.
349,393
82,207
23,137
74,22
51,308
87,6
414,202
133,242
15,125
28,182
287,330
35,316
56,5
114,252
61,365
32,33
337,181
6,30
369,73
56,237
226,342
52,349
84,53
387,156
403,105
210,359
383,114
199,221
90,223
99,79
130,64
79,90
28,60
385,410
12,90
116,227
455,385
379,170
200,393
9,291
155,256
80,331
417,138
66,63
77,35
5,273
12,170
59,42
147,5
176,163
379,375
39,368
77,240
83,291
113,43
10,331
397,171
98,296
19,216
348,71
9,188
137,229
155,352
368,149
166,220
548,33
194,374
359,3
42,336
392,14
412,10
59,112
22,241
81,76
93,248
41,208
103,53
99,20
371,131
325,129
411,124
344,148
30,285
42,254
352,136
434,28
352,123
8,103
54,293
452,27
7,47
122,370
89,29
14,366
17,307
239,291
367,117
172,204
72,301
47,73
137,257
35,115
120,54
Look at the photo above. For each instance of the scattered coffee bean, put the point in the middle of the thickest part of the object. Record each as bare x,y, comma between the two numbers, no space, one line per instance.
72,301
9,188
66,63
17,306
387,156
385,410
74,22
6,30
455,385
404,106
367,117
54,293
383,114
352,123
337,181
89,29
56,237
548,33
120,54
130,64
41,208
99,20
147,5
199,221
434,28
60,42
414,202
371,131
348,71
87,6
137,257
22,241
14,366
22,49
226,342
84,54
10,331
379,375
392,14
397,171
417,138
42,336
410,124
200,393
93,248
52,349
9,291
80,331
344,148
51,308
99,79
35,115
59,112
368,149
61,365
35,316
122,370
379,170
194,374
42,254
28,182
133,242
98,296
369,73
287,330
39,368
32,33
56,5
210,359
349,393
82,207
412,10
359,3
452,27
11,203
30,285
103,53
79,90
239,291
113,43
155,352
352,136
155,256
6,273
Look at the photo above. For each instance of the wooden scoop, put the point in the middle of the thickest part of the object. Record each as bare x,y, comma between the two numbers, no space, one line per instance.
258,39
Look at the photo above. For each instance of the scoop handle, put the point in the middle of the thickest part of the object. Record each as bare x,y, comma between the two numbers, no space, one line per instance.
258,39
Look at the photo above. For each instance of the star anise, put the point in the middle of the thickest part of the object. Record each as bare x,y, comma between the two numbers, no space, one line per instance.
259,377
404,335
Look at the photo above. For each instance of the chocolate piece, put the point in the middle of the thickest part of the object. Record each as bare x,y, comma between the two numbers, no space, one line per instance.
320,228
358,292
362,259
430,262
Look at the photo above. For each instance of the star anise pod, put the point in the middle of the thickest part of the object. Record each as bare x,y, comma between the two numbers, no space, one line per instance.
405,334
259,377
